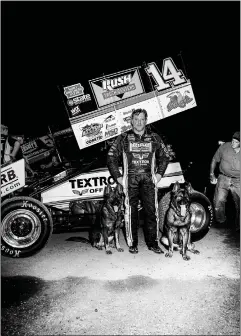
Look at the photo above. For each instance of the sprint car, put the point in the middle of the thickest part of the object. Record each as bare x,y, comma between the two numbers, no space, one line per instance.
32,210
98,111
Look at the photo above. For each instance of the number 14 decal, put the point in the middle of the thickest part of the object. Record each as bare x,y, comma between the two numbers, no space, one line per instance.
170,76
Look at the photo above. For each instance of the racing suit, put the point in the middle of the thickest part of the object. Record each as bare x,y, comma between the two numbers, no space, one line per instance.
143,157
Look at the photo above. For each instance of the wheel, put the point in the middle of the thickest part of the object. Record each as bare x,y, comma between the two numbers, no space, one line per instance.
202,215
26,227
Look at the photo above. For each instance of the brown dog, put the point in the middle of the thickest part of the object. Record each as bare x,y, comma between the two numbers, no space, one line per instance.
178,221
111,218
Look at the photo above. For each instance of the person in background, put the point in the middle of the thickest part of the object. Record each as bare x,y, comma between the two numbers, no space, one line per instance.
145,159
53,163
13,151
228,157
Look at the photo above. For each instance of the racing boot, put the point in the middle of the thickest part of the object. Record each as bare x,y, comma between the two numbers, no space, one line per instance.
133,248
155,248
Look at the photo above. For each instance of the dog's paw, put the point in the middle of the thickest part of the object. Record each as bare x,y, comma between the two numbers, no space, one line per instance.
185,257
168,254
98,247
120,249
108,252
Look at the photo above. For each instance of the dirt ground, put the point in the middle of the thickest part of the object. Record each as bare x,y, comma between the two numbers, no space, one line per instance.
70,288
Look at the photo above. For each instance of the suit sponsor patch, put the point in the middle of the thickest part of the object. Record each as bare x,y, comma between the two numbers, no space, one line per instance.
140,147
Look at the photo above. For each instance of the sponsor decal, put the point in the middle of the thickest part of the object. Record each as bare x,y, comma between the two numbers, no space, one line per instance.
73,90
9,251
140,156
91,182
109,118
29,146
79,100
91,130
12,177
140,162
140,146
125,128
93,140
110,126
111,132
90,185
8,176
75,95
111,84
30,205
75,111
127,119
39,148
119,92
118,86
178,100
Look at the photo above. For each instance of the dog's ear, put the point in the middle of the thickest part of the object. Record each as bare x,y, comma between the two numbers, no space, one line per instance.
108,190
189,188
176,187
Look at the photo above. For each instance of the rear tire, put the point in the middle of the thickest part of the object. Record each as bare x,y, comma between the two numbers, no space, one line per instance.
26,227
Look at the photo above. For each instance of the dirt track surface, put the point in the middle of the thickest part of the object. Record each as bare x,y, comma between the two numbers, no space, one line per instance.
69,288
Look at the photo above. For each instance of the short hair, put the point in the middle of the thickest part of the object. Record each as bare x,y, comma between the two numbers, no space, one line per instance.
137,112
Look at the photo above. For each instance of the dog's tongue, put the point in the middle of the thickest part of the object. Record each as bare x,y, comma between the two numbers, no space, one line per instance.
183,210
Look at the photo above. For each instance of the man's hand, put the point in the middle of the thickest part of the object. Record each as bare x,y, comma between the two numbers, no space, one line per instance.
158,177
120,180
213,179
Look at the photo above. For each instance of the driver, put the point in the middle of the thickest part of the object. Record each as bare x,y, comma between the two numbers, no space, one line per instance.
145,159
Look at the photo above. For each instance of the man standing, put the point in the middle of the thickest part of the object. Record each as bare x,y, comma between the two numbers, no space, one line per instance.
13,152
228,157
145,160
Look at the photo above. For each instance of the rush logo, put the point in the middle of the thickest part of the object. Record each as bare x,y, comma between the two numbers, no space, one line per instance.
111,84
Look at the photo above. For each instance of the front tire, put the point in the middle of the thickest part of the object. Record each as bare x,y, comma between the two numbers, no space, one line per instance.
26,227
202,215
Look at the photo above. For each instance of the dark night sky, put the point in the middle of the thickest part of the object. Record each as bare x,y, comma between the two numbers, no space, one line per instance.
49,43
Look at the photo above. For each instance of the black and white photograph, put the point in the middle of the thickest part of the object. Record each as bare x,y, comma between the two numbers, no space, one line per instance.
120,168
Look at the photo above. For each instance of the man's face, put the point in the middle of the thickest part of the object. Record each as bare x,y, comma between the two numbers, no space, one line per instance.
139,122
20,139
235,143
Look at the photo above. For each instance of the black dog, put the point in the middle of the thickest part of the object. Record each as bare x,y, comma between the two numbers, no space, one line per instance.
178,221
111,219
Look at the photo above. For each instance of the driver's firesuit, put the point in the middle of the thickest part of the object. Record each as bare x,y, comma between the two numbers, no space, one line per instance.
143,157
